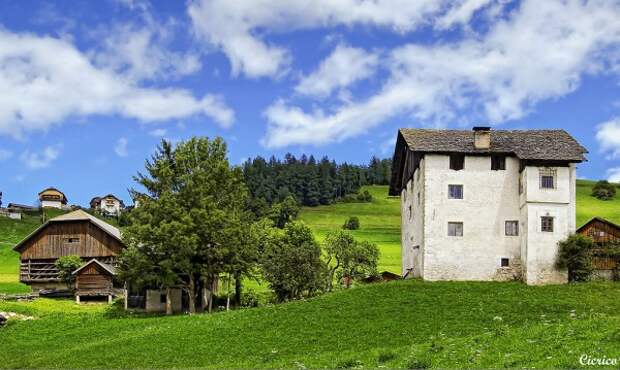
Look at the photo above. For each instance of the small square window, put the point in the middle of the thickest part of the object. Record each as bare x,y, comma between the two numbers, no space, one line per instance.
457,162
455,229
498,162
455,191
72,240
512,228
505,262
546,224
547,178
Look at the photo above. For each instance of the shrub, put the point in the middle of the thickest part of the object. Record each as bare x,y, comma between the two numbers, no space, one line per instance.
249,298
603,190
291,262
66,265
353,223
364,197
349,198
575,255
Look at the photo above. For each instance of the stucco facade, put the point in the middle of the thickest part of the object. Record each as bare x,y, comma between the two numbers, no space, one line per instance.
490,198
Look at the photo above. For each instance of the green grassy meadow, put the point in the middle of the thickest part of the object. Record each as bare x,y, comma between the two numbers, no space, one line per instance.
379,223
402,324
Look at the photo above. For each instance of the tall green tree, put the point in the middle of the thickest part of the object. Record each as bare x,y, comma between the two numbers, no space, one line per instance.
190,218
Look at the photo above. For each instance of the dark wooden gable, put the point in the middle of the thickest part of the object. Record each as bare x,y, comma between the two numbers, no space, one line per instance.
601,230
82,238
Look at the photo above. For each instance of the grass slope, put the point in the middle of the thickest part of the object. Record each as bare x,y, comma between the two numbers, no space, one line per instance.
396,325
379,223
588,206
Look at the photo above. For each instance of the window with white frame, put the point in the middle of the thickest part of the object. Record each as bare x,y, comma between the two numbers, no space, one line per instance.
512,228
455,229
455,191
547,178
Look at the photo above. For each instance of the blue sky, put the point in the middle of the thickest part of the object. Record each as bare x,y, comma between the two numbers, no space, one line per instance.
90,87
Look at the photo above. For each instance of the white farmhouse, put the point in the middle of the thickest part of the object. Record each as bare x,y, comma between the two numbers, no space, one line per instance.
52,198
107,205
485,205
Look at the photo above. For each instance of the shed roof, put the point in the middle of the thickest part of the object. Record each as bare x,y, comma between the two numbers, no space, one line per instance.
78,215
599,219
110,269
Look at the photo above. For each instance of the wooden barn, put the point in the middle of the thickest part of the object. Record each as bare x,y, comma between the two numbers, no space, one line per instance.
74,233
604,233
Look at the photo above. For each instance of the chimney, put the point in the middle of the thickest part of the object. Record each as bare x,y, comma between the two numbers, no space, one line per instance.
482,137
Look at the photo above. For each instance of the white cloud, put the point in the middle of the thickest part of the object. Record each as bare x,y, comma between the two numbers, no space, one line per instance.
539,51
49,80
5,154
613,174
608,136
238,28
121,147
143,49
43,159
158,132
344,66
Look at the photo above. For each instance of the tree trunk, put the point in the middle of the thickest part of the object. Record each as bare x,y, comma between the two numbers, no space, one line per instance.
213,282
228,293
168,301
192,294
238,288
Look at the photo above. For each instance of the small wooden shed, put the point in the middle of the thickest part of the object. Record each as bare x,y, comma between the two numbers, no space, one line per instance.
604,233
94,279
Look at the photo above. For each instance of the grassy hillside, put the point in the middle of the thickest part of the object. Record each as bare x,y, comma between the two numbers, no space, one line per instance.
379,223
11,232
588,206
396,325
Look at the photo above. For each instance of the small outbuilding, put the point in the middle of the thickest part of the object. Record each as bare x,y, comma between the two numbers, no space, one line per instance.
94,279
604,233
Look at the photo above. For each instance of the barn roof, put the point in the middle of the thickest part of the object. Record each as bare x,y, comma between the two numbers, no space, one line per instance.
599,219
78,215
105,266
551,146
554,145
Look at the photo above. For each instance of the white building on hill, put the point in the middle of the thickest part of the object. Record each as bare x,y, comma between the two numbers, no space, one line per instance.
485,205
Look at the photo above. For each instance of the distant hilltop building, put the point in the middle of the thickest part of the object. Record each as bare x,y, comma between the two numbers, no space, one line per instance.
483,204
107,205
52,198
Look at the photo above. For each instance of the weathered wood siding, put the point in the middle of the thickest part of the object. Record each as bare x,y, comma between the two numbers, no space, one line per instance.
601,232
71,237
93,280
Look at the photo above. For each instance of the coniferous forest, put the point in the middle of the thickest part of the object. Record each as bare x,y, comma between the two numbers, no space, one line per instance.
312,182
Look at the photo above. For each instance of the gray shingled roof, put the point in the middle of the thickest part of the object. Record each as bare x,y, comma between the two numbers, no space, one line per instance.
554,145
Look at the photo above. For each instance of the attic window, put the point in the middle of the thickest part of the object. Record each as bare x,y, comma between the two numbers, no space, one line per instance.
72,240
498,162
457,161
